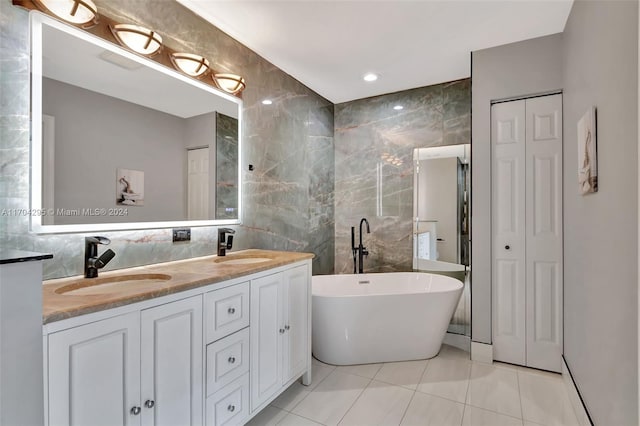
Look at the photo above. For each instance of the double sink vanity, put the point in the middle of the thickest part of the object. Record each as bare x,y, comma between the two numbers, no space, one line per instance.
210,340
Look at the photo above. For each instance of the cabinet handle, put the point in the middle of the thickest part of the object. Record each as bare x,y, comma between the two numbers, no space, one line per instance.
232,360
149,403
135,411
507,247
282,331
231,408
286,327
231,311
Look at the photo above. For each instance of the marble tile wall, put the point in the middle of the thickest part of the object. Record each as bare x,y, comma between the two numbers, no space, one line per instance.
288,198
368,186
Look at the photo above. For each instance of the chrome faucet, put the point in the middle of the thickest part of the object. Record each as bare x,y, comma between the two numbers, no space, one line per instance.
361,251
91,260
225,243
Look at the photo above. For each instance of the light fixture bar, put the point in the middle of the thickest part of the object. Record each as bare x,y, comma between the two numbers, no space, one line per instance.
83,13
190,64
230,83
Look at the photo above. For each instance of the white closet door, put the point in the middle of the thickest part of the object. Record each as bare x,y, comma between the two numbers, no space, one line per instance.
544,232
508,227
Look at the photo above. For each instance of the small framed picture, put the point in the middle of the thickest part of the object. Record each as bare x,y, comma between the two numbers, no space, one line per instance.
587,153
129,187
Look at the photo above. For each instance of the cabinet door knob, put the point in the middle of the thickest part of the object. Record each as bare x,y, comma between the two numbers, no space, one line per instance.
135,411
507,247
286,327
149,403
232,360
282,331
231,408
231,311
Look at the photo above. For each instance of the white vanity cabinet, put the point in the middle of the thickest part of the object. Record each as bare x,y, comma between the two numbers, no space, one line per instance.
213,355
140,368
280,350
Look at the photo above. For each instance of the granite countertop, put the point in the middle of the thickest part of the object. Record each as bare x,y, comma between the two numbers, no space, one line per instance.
73,296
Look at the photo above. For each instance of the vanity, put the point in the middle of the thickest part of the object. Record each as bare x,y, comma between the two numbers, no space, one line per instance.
209,340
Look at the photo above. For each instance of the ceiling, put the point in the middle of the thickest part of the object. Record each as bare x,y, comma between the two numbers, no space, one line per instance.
330,45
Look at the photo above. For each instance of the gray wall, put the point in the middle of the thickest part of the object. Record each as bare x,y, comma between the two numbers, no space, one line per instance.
601,229
288,199
122,135
366,129
516,69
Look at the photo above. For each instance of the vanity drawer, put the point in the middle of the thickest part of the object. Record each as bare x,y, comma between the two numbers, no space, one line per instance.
226,311
230,405
227,359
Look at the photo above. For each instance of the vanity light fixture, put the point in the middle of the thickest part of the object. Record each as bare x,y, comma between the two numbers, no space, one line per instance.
139,39
230,83
267,102
190,64
370,77
398,107
83,13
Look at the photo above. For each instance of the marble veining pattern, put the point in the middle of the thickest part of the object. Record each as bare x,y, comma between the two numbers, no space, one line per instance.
367,186
287,199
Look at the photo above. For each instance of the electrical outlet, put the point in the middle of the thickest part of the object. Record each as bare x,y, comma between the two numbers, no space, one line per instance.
181,234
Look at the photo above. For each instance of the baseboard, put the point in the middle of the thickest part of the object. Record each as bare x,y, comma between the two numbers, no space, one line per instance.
482,352
574,396
459,341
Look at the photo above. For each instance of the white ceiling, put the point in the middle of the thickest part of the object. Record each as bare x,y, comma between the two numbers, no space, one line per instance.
329,45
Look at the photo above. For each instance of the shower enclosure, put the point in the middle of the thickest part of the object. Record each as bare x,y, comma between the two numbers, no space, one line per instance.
441,201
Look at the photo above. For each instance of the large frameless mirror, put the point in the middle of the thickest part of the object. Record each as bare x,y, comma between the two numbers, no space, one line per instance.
122,142
441,231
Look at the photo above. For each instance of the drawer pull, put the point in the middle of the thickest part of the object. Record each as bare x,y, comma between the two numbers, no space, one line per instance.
135,410
232,360
286,327
231,311
282,331
149,403
231,408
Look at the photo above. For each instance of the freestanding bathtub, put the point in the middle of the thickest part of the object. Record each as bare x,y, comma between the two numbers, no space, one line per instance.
370,318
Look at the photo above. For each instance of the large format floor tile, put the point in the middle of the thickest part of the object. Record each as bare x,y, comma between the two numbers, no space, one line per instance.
545,399
297,391
406,374
332,398
447,378
429,410
474,416
494,389
364,370
269,416
293,420
380,404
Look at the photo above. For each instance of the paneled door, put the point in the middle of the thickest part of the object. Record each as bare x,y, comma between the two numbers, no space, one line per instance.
296,309
94,374
171,363
526,142
198,184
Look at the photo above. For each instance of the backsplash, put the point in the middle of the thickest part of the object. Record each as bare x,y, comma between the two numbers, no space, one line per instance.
287,199
368,184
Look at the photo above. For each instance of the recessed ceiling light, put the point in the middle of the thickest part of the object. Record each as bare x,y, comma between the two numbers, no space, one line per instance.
370,77
398,107
267,102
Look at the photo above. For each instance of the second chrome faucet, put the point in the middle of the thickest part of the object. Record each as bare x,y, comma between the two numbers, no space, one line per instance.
360,251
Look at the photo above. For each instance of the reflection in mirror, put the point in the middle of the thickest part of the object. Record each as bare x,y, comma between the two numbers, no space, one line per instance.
126,143
441,218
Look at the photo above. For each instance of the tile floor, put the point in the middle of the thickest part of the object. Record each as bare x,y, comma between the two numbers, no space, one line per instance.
446,390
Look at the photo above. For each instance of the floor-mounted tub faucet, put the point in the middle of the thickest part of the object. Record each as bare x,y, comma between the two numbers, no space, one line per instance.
361,251
91,260
225,243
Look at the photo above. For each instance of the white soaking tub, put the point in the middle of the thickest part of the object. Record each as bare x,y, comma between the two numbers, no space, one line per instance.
370,318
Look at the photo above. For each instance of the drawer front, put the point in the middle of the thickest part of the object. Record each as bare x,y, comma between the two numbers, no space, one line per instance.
227,359
226,311
230,405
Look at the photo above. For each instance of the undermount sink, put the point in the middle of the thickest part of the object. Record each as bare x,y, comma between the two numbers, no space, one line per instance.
241,260
93,286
